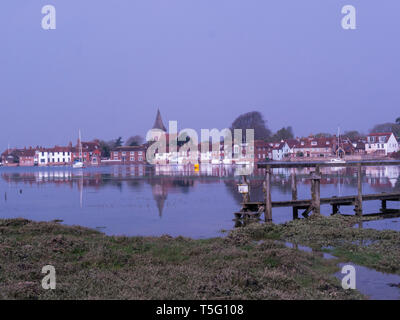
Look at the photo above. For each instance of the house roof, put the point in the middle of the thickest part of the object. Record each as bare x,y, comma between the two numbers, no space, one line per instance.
379,134
312,142
386,135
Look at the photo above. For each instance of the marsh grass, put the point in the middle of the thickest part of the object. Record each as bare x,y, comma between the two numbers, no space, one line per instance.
247,264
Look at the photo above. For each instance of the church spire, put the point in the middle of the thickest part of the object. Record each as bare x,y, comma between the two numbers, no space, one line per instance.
158,124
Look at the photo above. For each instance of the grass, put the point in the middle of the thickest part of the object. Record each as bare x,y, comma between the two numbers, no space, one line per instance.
91,265
375,249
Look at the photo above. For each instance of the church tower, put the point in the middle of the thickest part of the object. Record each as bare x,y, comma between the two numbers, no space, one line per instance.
158,124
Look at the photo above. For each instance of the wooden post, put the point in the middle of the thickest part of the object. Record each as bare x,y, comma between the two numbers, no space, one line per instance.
268,202
316,191
294,194
384,205
359,205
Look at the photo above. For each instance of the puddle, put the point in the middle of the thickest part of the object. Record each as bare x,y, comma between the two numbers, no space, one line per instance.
308,249
382,224
374,284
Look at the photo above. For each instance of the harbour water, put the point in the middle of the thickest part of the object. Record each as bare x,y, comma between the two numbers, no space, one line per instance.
142,200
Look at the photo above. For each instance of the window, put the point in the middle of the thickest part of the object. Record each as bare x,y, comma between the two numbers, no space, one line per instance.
132,159
140,159
124,153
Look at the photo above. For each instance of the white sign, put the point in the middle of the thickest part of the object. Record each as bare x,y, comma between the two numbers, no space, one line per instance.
243,188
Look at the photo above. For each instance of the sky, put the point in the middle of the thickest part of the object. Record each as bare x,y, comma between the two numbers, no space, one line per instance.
110,64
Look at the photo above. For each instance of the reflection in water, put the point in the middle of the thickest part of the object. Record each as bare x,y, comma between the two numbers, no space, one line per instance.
129,197
176,200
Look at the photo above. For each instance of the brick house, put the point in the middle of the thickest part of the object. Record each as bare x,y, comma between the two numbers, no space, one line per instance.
129,154
262,151
312,147
27,157
91,153
10,157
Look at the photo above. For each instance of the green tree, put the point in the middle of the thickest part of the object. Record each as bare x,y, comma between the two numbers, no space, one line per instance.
283,134
398,120
118,142
105,148
353,134
323,135
134,141
387,127
252,120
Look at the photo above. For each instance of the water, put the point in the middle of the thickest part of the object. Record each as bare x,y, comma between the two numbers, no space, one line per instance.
374,284
140,200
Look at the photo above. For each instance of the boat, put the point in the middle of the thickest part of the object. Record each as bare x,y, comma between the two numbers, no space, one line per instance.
78,163
336,160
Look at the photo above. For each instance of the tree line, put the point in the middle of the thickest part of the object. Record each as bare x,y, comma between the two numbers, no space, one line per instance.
255,120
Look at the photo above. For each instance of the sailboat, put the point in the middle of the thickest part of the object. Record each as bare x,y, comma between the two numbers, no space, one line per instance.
337,159
78,163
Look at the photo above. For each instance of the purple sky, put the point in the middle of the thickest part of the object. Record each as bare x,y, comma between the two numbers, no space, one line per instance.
111,64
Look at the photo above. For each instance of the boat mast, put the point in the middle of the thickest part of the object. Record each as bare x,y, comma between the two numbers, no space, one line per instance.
80,146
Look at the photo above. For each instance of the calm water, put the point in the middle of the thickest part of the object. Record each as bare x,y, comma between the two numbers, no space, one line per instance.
123,200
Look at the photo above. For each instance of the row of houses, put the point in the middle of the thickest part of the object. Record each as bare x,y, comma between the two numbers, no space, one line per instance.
376,144
56,156
379,144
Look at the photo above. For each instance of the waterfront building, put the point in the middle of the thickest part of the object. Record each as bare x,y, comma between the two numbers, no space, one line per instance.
381,143
129,155
91,153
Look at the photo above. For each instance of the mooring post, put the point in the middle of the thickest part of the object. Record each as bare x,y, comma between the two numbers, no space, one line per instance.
316,191
384,205
359,205
268,202
294,193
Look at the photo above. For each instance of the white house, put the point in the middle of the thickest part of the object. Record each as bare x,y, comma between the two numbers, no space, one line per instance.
280,151
382,143
53,156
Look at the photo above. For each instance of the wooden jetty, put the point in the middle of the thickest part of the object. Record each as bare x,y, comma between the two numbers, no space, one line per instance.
313,205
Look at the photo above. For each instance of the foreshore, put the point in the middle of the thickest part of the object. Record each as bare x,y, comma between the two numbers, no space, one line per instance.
249,263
